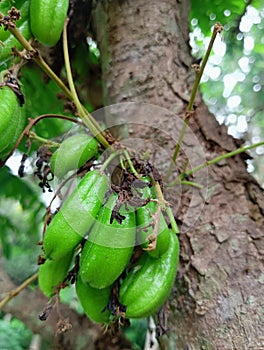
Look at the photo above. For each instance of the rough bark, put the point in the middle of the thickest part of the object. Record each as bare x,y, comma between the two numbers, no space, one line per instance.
146,58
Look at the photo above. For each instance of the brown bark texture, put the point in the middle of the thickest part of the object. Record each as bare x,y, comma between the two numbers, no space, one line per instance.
217,302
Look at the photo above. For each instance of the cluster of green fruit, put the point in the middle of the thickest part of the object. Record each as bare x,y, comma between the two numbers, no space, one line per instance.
87,225
42,19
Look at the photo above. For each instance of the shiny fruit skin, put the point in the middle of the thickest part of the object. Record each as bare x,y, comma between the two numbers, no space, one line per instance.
93,301
73,152
47,19
148,285
76,216
109,247
12,120
52,273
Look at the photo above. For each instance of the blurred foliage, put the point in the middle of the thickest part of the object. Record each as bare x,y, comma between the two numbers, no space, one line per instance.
233,82
14,335
20,215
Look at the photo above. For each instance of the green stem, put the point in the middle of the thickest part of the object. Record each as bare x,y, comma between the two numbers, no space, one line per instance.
130,163
86,117
215,160
109,160
177,149
199,72
122,163
183,182
49,143
39,60
174,226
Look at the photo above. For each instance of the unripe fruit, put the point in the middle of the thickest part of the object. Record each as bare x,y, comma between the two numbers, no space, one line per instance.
149,283
12,120
73,152
52,273
109,247
93,301
76,216
47,19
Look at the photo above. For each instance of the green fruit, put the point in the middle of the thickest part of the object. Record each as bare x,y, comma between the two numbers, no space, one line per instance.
52,273
149,283
109,247
76,216
7,39
47,19
73,152
12,120
93,301
145,218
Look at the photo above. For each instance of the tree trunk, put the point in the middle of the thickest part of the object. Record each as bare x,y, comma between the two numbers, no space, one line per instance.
146,59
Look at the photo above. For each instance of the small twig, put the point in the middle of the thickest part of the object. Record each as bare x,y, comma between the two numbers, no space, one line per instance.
214,161
19,289
49,143
34,54
189,112
183,182
86,117
131,164
109,160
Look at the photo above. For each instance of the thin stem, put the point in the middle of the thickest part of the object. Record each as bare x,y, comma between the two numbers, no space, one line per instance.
174,225
109,160
130,164
183,182
19,289
217,29
177,149
213,161
34,54
49,143
86,117
199,72
39,60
